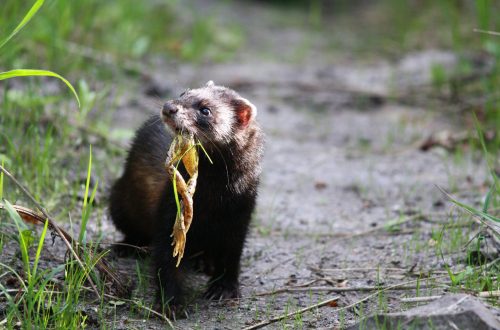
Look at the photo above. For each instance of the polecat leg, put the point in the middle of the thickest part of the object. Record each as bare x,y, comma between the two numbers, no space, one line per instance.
168,276
226,257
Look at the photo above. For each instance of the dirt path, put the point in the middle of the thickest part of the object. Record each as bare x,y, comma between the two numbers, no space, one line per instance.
342,161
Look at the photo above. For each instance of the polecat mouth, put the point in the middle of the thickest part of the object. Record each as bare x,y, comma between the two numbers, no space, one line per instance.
174,127
170,123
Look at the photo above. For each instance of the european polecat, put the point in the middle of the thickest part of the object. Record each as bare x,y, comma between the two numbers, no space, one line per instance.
142,203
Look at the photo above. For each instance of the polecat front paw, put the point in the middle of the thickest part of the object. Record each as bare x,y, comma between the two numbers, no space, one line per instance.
220,290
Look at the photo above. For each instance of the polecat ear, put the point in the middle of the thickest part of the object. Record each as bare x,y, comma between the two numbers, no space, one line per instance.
210,83
245,111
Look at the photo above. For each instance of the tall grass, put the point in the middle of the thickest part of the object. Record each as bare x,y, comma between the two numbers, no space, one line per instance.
42,302
29,72
102,37
38,303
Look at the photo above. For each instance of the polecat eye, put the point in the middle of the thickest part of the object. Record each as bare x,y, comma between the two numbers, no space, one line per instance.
205,111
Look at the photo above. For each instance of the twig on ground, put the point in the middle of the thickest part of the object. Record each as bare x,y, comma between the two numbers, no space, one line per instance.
152,311
278,265
489,294
359,269
309,283
336,289
140,249
419,299
411,270
300,311
493,33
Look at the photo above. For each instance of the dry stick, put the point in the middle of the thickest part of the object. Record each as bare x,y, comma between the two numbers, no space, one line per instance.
367,269
300,311
419,299
30,216
323,303
359,269
489,294
492,33
53,225
335,289
310,282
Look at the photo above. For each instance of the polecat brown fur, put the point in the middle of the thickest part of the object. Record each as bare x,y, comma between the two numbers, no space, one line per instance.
142,203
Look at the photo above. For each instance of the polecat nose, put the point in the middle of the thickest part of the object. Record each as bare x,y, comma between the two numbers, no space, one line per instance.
169,109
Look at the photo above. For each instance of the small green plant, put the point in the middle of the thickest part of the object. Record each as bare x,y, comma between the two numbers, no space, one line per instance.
477,276
493,193
439,76
40,305
87,203
1,180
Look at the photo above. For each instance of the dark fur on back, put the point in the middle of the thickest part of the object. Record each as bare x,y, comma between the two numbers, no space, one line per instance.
142,203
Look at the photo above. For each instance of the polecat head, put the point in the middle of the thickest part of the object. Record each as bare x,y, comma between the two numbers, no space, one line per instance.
212,113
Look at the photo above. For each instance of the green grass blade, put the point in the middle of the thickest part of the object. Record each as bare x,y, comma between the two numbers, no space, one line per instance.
485,151
176,196
85,209
1,180
40,246
472,210
487,200
86,215
14,216
205,152
25,21
31,72
87,182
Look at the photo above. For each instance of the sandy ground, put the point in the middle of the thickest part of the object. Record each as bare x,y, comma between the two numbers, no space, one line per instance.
341,161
